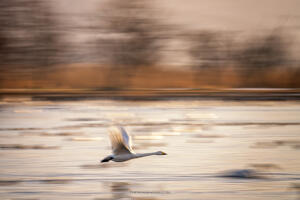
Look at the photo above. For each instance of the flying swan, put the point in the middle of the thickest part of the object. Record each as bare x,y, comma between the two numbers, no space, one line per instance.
122,148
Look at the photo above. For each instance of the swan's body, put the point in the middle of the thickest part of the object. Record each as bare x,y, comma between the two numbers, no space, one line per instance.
122,148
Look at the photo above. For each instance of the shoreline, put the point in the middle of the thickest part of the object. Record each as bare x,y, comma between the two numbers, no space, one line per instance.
230,94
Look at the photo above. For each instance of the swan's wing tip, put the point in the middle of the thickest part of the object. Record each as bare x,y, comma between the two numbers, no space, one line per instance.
115,129
120,140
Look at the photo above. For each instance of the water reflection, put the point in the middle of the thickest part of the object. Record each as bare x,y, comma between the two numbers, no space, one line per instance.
296,187
8,182
266,166
242,174
103,165
120,190
125,190
22,146
277,143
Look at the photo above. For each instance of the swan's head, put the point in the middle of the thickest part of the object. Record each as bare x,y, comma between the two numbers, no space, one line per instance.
108,158
161,153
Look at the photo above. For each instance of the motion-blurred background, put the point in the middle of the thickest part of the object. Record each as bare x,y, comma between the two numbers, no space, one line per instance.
149,44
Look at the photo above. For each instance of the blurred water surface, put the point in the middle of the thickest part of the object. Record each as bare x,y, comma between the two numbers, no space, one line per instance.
51,150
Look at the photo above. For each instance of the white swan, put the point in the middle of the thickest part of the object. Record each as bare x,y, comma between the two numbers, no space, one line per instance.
121,147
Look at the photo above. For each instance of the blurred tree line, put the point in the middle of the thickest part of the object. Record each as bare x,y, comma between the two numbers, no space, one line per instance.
132,36
217,49
29,35
134,32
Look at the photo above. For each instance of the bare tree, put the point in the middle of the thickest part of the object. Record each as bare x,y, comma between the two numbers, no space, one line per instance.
132,33
131,38
29,34
210,49
261,52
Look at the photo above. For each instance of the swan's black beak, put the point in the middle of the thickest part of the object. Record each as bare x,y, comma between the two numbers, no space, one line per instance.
163,153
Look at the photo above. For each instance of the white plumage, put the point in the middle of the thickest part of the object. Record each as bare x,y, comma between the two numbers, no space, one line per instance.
122,147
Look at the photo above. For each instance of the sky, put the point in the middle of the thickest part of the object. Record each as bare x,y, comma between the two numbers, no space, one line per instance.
235,14
212,14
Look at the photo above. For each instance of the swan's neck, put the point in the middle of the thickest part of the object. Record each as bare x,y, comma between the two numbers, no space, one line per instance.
139,155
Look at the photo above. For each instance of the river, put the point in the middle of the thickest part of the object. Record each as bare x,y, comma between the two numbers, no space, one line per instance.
216,149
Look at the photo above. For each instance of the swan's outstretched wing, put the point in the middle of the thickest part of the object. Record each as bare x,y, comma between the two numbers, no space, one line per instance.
120,141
